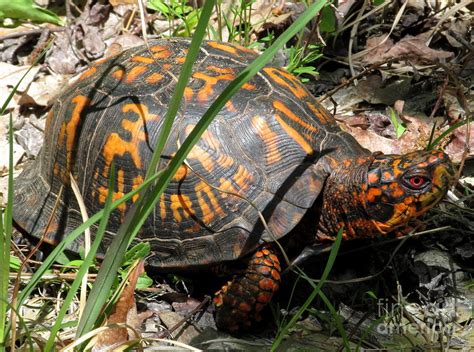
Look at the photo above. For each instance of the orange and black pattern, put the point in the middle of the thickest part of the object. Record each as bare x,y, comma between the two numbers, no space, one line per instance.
375,196
241,300
263,146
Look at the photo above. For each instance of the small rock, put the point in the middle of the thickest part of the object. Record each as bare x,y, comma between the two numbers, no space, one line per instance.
31,139
185,333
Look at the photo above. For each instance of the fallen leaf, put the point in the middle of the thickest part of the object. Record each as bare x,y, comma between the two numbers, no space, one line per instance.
10,75
124,311
458,143
380,135
413,48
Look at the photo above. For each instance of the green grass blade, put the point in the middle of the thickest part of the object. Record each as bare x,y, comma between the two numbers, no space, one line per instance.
5,239
133,221
316,291
445,133
86,263
59,249
183,79
35,279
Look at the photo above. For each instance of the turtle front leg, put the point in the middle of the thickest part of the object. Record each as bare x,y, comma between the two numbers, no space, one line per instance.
241,300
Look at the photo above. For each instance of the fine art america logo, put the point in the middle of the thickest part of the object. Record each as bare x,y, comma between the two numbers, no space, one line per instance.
432,320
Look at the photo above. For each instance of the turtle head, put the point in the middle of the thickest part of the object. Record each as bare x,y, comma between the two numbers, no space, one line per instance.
375,195
400,188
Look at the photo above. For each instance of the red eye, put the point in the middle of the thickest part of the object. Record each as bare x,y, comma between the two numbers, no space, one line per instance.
417,181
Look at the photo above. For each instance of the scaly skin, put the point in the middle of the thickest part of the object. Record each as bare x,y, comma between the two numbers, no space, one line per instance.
384,193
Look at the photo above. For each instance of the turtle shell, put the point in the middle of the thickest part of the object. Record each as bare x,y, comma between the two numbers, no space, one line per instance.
261,154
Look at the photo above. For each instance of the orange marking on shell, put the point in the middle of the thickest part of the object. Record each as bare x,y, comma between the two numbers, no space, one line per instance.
230,106
270,138
298,138
188,94
202,157
180,60
229,49
276,275
134,73
373,193
265,251
137,181
286,80
104,191
206,92
321,114
223,47
259,254
154,78
292,116
181,201
213,208
225,161
347,162
180,173
167,67
243,178
142,59
160,51
118,74
249,86
116,146
162,207
69,129
227,187
90,72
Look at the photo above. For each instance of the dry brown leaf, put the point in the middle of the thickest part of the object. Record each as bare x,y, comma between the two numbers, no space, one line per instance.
377,136
413,48
10,75
124,311
458,142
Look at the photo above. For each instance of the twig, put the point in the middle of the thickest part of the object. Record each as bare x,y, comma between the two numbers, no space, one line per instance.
168,332
32,32
364,72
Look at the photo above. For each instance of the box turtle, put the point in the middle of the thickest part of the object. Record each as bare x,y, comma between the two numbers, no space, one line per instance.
273,151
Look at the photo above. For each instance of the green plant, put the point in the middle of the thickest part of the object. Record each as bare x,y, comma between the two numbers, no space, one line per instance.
177,9
301,59
27,10
398,125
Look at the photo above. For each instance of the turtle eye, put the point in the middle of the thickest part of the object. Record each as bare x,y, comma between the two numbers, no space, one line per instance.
417,181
